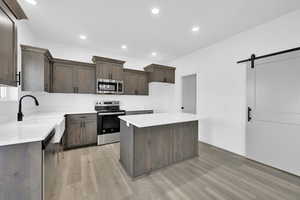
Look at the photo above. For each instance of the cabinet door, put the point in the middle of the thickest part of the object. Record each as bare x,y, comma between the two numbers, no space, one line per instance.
130,83
63,78
104,70
8,42
169,76
86,80
159,75
185,141
117,72
74,133
142,84
160,146
32,71
142,151
90,130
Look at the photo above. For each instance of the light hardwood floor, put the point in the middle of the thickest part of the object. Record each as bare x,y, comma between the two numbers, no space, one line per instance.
95,174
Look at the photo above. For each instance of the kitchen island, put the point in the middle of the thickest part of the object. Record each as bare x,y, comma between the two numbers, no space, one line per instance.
152,141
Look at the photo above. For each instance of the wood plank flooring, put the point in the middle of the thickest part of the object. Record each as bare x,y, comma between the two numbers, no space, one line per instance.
95,173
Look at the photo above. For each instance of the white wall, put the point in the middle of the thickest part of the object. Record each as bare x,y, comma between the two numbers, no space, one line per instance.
157,100
222,82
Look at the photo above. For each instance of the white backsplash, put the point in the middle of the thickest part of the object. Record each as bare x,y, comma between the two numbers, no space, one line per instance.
158,100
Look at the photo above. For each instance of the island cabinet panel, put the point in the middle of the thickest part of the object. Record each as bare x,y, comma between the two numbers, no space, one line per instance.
161,73
21,172
36,66
8,46
127,147
185,145
153,149
146,149
108,68
73,77
81,130
135,82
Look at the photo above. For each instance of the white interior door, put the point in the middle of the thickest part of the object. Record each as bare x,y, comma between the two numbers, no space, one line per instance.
189,94
273,133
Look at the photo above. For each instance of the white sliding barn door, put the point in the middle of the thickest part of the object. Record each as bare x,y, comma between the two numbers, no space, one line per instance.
273,94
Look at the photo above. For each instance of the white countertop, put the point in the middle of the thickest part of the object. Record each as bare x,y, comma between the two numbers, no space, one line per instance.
158,119
35,127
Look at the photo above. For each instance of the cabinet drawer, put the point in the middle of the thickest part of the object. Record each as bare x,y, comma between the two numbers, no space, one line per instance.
82,117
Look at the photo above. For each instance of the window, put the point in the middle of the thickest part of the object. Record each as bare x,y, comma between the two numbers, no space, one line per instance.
3,92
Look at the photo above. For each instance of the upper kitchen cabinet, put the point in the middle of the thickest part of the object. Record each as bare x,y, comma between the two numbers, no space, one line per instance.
36,68
10,11
107,68
136,82
161,73
73,77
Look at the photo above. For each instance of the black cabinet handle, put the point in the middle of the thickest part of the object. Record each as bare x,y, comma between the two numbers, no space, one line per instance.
182,108
18,78
249,114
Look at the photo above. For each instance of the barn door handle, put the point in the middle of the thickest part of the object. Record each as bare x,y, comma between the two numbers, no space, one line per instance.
249,114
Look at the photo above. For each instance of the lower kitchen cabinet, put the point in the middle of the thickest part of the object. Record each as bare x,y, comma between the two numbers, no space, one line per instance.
135,82
81,130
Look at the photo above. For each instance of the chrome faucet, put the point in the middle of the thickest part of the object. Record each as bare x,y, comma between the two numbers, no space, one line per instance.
20,114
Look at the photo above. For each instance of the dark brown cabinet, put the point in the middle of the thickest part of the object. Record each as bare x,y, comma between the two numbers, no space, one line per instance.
161,73
107,68
8,47
135,82
153,149
143,150
63,78
73,77
81,130
36,66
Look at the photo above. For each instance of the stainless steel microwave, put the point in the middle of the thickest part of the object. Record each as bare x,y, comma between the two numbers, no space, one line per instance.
107,86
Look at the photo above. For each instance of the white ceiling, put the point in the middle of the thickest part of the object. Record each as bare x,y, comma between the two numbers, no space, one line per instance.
109,24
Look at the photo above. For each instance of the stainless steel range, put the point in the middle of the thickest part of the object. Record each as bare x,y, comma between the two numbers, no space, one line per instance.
108,122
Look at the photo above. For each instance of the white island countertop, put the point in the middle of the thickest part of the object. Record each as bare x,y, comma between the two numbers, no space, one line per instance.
35,127
158,119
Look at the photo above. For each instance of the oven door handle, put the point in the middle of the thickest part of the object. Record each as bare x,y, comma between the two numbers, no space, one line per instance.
112,113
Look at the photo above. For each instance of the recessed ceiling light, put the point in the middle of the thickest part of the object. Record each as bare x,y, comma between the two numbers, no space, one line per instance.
83,37
33,2
195,28
154,54
155,11
124,47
